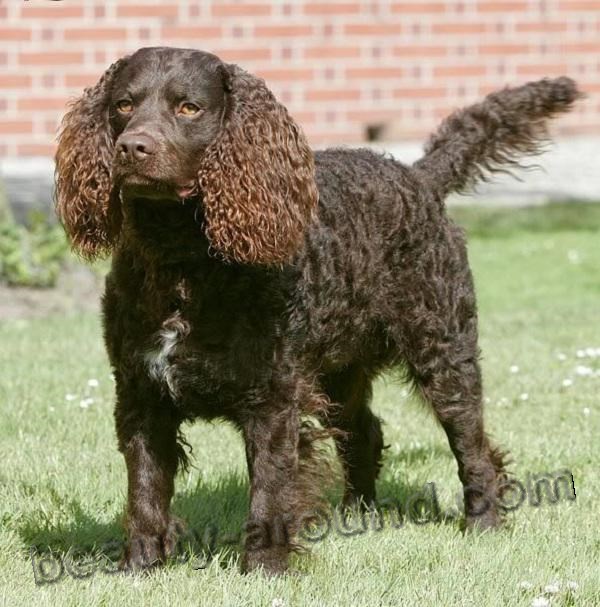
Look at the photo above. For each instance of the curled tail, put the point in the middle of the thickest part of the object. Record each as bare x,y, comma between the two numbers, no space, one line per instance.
480,139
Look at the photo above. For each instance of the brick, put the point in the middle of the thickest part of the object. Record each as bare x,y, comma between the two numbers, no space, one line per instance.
370,29
580,5
459,28
581,47
541,70
36,149
148,10
303,118
330,8
542,26
497,6
504,49
52,10
373,115
410,50
289,74
332,94
14,81
16,127
418,7
240,10
53,58
14,33
244,54
193,32
486,89
94,33
450,71
278,31
79,81
419,92
374,72
332,52
42,103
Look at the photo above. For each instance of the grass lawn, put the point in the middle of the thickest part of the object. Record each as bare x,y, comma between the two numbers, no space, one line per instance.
62,480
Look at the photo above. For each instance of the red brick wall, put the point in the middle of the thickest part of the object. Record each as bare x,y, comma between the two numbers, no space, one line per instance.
339,65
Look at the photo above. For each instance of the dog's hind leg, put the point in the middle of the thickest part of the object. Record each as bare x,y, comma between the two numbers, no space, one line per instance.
442,357
361,442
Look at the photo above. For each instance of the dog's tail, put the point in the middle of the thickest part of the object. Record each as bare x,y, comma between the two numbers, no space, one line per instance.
489,136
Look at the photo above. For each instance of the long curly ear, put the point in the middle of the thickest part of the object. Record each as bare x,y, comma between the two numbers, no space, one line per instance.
256,177
90,215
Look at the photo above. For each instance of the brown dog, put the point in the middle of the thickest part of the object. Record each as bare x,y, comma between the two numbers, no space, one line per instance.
255,281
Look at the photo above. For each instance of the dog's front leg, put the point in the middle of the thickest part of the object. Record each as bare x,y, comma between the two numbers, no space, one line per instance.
148,439
272,438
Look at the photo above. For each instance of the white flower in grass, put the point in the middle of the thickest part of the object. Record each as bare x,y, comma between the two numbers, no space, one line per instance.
524,396
553,588
93,383
540,601
573,256
86,402
572,586
561,356
51,409
591,352
583,370
70,397
525,585
586,411
567,382
580,353
278,603
514,368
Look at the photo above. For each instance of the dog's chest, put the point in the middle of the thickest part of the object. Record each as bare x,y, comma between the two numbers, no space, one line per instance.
162,360
209,352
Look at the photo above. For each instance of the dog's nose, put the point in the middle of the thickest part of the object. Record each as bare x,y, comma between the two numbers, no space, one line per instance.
137,146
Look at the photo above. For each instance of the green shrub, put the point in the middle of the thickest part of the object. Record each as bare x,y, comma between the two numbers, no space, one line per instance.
5,213
32,256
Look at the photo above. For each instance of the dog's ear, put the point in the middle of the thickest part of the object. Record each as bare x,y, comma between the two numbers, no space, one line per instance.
257,177
90,214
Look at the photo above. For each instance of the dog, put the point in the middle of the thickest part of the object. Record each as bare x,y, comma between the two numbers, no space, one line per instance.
259,282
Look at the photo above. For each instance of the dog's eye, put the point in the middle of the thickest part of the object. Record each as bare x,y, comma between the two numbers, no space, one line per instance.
188,109
125,106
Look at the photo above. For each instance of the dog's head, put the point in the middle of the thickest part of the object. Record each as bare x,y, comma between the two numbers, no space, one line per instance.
172,124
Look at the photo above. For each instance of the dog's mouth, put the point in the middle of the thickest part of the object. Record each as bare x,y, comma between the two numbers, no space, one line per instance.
136,187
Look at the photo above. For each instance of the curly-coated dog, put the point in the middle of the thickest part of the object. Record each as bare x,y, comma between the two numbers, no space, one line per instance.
257,282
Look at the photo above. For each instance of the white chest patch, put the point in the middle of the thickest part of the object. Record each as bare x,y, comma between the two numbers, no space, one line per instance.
160,360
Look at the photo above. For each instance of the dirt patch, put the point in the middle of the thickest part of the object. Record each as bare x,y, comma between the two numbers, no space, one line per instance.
78,290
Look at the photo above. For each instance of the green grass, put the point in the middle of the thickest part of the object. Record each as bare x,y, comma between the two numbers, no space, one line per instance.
62,481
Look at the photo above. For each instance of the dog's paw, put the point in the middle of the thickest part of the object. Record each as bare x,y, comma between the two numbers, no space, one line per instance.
142,553
272,562
145,552
488,520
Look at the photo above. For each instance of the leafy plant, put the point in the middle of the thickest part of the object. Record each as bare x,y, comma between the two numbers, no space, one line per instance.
34,255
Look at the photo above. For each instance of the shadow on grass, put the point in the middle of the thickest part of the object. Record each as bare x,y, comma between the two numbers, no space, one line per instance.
214,516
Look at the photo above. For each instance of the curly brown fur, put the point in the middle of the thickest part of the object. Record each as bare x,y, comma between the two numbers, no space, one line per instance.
476,141
257,178
300,310
83,171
